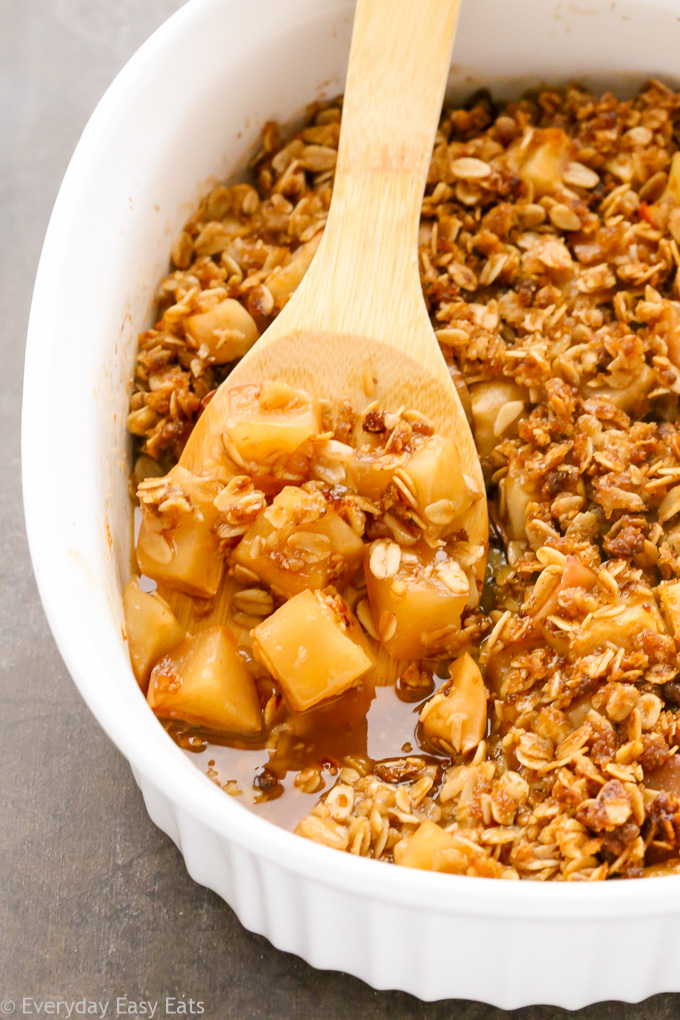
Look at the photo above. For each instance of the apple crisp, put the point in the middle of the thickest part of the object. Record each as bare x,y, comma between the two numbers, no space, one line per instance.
536,735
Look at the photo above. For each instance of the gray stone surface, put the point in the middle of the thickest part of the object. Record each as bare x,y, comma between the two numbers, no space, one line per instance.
94,901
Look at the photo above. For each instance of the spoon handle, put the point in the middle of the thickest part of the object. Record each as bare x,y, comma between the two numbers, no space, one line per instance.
364,278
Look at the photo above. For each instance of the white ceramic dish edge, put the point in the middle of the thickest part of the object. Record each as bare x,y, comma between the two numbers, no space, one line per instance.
122,200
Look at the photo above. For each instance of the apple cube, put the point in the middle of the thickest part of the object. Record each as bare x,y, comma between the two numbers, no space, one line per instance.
633,397
284,279
151,627
516,498
436,475
269,420
669,867
292,553
665,777
669,597
311,646
226,330
672,191
455,717
496,407
370,472
544,159
619,624
418,850
205,682
180,548
416,607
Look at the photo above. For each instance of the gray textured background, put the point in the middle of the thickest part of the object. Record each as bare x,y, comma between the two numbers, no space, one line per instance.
94,901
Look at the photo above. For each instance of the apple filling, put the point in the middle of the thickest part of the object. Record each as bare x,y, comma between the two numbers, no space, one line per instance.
342,540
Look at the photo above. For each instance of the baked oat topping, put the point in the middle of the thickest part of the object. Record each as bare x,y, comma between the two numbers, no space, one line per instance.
550,265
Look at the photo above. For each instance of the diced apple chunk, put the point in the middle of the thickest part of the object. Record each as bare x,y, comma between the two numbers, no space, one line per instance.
151,627
455,717
227,330
544,158
669,597
619,624
516,497
672,191
418,850
291,551
178,546
311,646
269,420
630,398
666,777
417,604
370,471
578,710
670,867
496,408
205,682
185,558
667,324
284,279
435,472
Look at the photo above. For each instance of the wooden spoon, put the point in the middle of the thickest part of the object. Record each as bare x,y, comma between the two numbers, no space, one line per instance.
357,327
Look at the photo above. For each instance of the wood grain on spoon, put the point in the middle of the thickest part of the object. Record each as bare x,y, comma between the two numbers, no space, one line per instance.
357,327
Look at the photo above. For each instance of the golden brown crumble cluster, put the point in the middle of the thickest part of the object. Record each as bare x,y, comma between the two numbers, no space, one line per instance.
550,266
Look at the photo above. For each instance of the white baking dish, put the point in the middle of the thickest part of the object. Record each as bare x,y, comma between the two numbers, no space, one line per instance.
188,107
